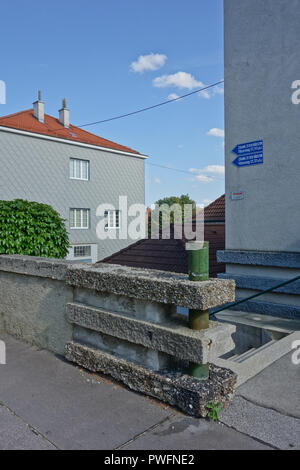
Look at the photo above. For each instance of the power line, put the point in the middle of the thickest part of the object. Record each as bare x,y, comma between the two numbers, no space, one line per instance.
170,168
154,106
190,173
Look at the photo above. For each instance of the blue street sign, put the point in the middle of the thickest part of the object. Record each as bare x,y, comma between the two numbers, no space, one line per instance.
250,153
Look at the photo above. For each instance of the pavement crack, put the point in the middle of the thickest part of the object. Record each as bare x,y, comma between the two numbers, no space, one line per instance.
253,402
137,436
32,428
249,435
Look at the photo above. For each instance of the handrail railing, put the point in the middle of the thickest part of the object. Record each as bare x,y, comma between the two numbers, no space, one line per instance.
233,304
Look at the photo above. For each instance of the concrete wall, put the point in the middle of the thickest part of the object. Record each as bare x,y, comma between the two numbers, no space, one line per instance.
38,170
261,61
35,293
263,229
122,322
33,298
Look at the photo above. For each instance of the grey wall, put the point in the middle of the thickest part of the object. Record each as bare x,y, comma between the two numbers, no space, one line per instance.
38,170
262,59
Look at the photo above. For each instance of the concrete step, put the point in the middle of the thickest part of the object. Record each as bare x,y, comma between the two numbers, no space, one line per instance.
265,322
171,337
240,357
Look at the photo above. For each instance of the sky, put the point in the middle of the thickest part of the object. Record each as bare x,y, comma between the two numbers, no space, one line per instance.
113,57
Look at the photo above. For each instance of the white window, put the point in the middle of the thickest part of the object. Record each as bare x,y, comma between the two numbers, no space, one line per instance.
80,251
79,218
113,219
79,169
83,253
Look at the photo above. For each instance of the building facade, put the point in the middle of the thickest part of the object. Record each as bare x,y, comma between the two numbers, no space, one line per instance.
48,160
262,151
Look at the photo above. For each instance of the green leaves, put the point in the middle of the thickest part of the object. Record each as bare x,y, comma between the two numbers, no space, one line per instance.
31,228
214,410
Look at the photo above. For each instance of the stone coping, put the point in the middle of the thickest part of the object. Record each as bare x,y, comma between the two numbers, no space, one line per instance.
34,266
152,285
245,281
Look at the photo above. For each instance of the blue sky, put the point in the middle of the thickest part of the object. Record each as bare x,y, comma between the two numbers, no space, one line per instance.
97,54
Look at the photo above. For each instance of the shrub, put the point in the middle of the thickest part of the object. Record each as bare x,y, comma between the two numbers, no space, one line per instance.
31,228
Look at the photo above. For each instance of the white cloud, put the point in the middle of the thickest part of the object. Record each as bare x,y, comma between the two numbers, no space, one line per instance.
178,80
157,181
208,173
215,169
148,62
218,90
205,94
204,178
215,132
173,96
212,169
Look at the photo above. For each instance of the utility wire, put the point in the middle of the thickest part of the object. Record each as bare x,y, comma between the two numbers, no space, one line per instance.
154,106
170,168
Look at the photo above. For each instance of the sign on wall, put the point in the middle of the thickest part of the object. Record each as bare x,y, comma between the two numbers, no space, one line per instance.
250,153
237,195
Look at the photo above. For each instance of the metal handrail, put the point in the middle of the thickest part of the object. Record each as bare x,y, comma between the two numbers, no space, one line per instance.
233,304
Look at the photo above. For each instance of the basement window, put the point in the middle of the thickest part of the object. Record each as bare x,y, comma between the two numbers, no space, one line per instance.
79,169
82,250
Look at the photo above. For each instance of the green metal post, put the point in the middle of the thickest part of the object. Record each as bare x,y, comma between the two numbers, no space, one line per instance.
198,319
198,261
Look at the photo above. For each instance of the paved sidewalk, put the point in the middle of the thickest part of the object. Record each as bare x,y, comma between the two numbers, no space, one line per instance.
47,403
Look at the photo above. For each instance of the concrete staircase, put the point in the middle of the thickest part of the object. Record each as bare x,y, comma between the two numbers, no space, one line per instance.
262,339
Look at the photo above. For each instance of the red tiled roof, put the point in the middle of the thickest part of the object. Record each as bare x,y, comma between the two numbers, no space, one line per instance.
170,255
216,210
25,121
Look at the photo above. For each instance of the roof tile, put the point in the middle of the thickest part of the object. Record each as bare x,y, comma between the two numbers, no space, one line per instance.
25,121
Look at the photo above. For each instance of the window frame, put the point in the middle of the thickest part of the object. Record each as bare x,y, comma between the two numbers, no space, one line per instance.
108,214
81,161
81,218
84,255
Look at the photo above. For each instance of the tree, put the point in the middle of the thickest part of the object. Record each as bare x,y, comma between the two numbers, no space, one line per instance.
181,200
31,228
170,201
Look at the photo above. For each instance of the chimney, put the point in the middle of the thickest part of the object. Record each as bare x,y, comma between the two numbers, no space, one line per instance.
39,108
64,114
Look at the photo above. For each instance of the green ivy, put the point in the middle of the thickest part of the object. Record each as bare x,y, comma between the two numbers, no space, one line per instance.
31,228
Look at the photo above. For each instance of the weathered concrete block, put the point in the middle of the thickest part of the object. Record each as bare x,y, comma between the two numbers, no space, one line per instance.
172,337
133,352
156,286
186,393
136,308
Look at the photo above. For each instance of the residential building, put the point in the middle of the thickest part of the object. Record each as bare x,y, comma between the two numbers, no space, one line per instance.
48,160
171,255
262,116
